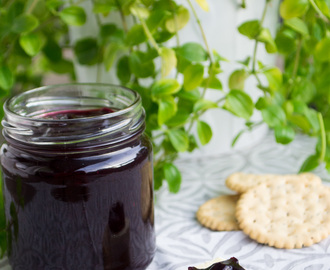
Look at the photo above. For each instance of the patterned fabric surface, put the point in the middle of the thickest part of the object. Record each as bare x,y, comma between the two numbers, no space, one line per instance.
182,242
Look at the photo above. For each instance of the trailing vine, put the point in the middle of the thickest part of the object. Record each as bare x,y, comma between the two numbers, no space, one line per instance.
173,80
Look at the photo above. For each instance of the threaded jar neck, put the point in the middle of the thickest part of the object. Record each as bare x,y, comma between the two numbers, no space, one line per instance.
73,116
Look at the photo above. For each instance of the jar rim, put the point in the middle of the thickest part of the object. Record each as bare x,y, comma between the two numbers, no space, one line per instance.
116,113
28,116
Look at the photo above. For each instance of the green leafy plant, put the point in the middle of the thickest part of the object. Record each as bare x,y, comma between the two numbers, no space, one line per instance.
173,80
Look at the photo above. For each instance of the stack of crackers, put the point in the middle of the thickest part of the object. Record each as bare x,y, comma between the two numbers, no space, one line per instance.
283,211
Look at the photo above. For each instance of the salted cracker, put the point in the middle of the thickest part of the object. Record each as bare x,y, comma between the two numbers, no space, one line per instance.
241,182
285,214
219,213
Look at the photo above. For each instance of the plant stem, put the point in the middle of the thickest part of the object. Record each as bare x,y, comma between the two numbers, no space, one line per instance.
254,57
295,65
149,35
220,100
158,136
208,81
98,65
177,38
175,24
197,115
31,7
8,4
316,8
323,138
297,59
202,30
122,17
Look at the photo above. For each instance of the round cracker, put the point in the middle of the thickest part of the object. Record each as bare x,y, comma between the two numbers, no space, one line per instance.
285,214
241,182
219,213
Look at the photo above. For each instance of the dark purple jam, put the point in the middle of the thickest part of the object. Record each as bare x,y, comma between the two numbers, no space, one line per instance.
74,114
91,210
231,264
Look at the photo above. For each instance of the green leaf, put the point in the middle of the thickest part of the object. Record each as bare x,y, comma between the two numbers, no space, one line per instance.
179,139
311,163
204,132
193,52
172,176
303,90
164,87
104,7
218,57
274,77
266,38
274,116
139,11
111,33
73,15
14,10
323,6
204,104
6,78
123,70
293,8
239,103
156,19
166,109
262,103
285,42
110,53
180,118
61,67
193,76
192,143
237,79
251,29
86,51
203,4
193,95
297,25
322,52
141,65
296,114
178,20
312,118
52,50
53,5
162,36
31,43
169,60
25,23
284,134
212,83
158,176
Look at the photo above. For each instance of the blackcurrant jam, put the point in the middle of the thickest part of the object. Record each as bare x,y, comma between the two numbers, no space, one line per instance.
77,179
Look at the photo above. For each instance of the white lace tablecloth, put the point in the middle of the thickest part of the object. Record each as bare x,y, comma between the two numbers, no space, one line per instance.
182,242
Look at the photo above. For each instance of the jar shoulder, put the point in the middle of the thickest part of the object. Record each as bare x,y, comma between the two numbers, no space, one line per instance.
124,157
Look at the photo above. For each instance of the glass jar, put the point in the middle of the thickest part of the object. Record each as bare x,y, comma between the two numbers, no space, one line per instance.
78,181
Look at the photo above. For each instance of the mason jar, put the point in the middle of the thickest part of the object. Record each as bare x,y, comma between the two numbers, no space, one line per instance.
77,179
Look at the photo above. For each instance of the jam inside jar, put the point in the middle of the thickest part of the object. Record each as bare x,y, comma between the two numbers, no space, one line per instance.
77,179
